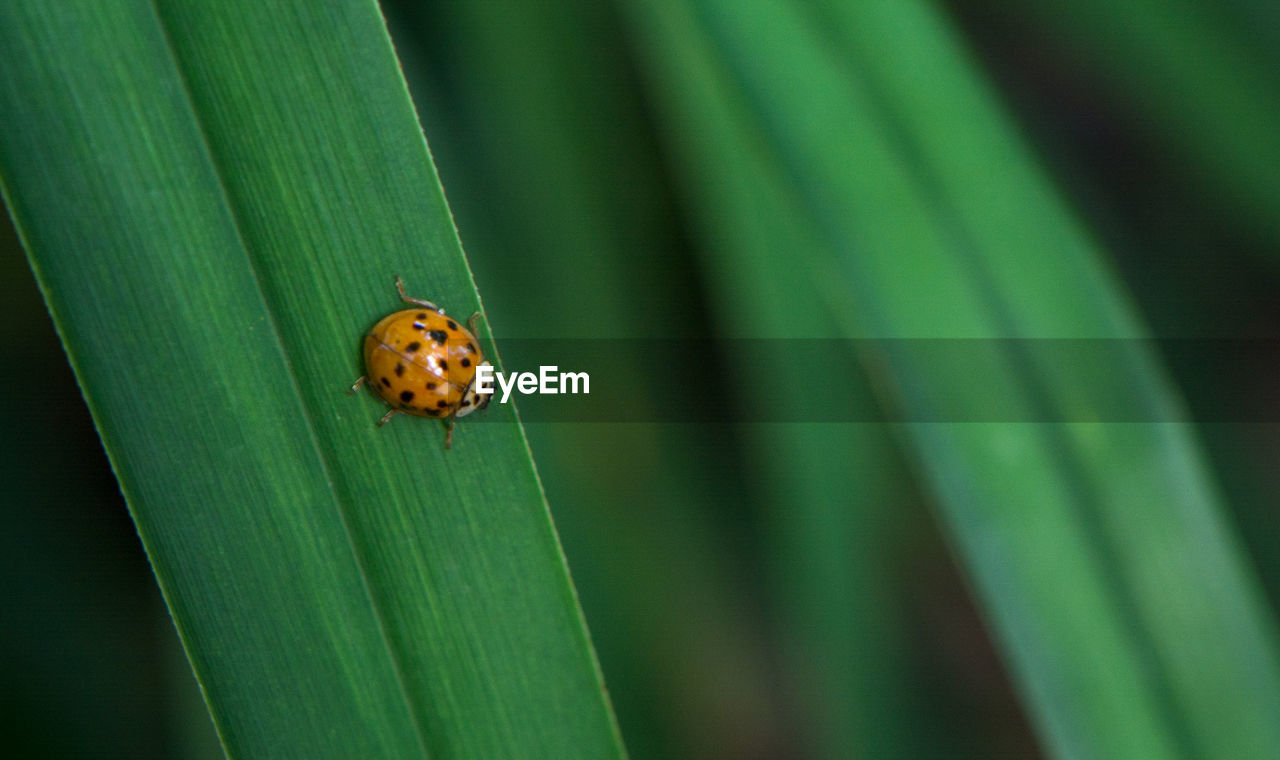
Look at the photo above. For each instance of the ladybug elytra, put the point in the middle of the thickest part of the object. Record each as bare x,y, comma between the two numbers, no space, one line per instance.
423,363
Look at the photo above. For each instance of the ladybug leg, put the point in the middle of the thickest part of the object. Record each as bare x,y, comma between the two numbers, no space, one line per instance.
471,324
356,385
448,437
387,417
416,301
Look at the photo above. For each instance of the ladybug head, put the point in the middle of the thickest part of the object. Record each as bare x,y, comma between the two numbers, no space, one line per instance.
472,401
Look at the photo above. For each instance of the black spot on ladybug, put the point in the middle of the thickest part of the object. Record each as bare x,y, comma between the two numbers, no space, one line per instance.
466,362
414,346
432,412
421,315
439,336
399,370
406,396
431,386
444,365
471,347
452,325
386,382
442,403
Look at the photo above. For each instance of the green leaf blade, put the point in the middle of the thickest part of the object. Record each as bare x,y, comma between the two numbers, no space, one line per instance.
105,311
240,199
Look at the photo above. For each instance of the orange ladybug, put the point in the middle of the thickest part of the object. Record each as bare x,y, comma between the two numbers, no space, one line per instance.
423,363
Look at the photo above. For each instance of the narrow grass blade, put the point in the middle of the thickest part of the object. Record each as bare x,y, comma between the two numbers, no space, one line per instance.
215,199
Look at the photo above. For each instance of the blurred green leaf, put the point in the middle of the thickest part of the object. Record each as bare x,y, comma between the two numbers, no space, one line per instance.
1203,77
1116,589
215,199
834,497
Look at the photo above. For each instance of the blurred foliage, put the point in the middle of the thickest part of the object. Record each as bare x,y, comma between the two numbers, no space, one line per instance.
720,631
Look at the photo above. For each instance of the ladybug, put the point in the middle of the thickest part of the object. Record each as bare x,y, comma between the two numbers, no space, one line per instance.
423,363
